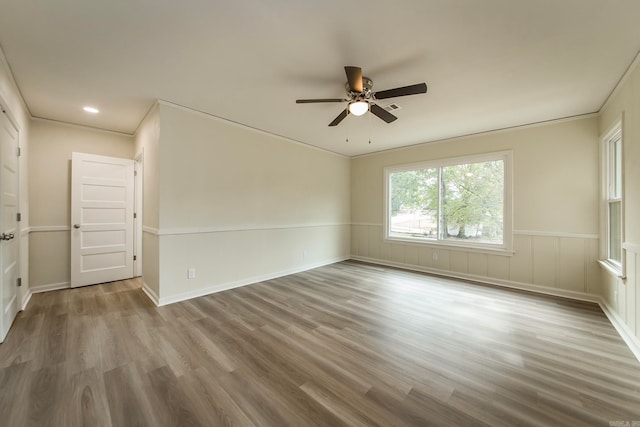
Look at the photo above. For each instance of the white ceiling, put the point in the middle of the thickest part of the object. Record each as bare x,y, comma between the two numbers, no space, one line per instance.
489,64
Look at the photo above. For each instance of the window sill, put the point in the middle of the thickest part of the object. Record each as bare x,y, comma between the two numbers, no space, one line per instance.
612,268
498,251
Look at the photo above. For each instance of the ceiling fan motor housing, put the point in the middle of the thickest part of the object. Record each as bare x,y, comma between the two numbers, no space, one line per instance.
367,84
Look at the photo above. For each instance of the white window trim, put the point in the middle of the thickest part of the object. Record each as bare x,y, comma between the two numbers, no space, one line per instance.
507,240
605,167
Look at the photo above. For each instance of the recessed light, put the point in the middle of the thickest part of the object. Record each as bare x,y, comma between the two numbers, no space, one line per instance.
91,110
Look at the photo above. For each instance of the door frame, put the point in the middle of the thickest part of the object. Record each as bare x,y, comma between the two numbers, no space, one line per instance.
138,192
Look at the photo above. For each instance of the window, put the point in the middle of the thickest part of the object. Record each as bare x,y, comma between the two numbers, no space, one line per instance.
459,202
612,156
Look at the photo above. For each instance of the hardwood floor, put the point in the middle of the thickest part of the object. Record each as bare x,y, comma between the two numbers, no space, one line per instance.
348,344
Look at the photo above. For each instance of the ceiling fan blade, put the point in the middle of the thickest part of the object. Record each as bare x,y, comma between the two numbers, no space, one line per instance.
313,101
340,117
354,77
382,113
402,91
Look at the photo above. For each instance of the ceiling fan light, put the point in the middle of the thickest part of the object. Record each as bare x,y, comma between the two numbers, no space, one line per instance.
358,108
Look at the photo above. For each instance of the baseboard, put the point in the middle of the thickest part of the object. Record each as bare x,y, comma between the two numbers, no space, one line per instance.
632,341
25,299
625,333
243,282
150,293
50,287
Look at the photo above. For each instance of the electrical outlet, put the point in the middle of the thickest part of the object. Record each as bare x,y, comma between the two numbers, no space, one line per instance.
304,253
191,273
434,256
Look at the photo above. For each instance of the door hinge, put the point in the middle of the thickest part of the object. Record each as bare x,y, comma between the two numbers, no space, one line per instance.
19,151
18,217
134,257
135,215
19,281
135,173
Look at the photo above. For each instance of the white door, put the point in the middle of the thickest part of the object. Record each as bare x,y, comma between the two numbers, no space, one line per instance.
101,219
9,233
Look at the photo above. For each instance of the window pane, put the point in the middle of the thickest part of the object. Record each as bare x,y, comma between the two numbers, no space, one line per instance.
414,203
615,231
473,202
617,168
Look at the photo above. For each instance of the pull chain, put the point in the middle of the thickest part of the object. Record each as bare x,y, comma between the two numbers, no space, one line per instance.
347,124
369,123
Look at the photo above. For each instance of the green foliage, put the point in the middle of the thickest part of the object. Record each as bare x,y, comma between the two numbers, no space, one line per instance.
414,190
473,199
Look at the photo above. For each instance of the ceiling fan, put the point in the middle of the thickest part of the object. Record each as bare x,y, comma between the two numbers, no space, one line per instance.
361,98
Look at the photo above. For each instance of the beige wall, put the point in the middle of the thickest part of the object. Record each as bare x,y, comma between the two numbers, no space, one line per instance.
624,295
12,102
51,145
555,215
218,174
146,146
239,205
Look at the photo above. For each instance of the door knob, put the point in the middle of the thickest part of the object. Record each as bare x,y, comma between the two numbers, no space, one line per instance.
76,225
6,236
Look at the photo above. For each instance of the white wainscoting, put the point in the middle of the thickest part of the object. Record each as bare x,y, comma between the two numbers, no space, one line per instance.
623,295
561,261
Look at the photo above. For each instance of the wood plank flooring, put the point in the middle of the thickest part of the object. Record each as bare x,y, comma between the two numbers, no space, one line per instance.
348,344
